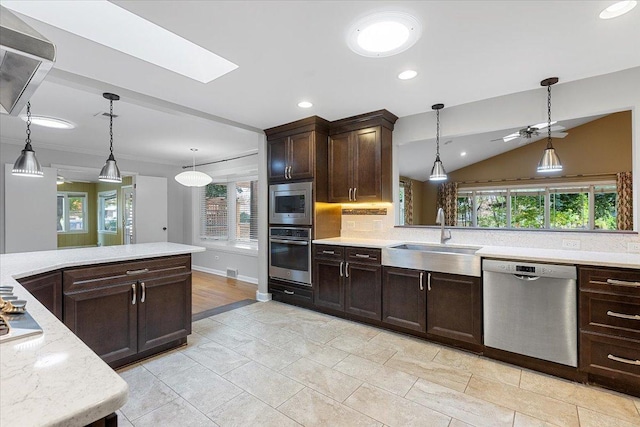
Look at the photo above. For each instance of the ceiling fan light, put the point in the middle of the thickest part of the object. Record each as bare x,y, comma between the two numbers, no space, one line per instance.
550,162
193,178
437,172
110,171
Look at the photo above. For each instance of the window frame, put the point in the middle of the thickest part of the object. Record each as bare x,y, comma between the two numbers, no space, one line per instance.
65,208
100,200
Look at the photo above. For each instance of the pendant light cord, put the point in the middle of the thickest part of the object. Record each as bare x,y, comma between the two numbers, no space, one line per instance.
111,126
549,116
28,140
438,134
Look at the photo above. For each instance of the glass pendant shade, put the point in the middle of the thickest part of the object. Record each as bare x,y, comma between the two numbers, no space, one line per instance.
27,164
550,162
110,171
193,179
437,172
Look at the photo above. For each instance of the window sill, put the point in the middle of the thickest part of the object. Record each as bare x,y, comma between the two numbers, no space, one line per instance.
73,232
250,249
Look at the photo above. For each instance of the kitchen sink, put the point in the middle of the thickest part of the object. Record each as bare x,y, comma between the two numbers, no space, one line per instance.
439,258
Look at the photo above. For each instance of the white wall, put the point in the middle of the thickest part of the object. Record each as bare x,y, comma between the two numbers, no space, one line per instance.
46,157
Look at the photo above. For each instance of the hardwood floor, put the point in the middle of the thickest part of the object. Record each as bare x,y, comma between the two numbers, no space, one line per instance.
211,291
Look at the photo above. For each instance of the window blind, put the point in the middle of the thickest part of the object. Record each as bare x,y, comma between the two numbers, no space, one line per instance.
214,221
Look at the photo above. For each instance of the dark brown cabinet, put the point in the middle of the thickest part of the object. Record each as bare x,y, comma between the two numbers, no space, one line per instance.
609,308
125,311
454,307
291,293
348,279
404,298
46,288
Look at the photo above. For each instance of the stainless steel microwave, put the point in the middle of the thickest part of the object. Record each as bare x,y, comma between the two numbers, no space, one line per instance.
291,203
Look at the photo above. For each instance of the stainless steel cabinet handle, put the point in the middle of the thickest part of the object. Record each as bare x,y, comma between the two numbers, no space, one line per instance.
623,360
289,292
286,169
133,297
350,191
421,277
346,270
623,316
329,252
132,272
354,194
362,256
290,170
623,283
144,291
341,265
429,281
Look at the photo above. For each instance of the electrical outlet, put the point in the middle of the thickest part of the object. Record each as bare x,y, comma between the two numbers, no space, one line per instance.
217,257
570,244
351,225
633,247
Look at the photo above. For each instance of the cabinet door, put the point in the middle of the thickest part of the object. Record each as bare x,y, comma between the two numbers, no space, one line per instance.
404,298
367,173
105,319
164,310
454,307
328,284
362,288
301,161
340,168
46,288
277,159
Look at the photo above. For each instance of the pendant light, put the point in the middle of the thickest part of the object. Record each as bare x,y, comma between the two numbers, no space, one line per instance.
437,172
193,178
27,164
550,162
110,171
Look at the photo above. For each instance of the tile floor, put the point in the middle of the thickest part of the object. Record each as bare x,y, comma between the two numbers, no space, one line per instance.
271,364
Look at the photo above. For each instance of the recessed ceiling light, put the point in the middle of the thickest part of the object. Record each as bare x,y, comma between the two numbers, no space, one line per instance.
464,153
50,122
384,34
305,104
617,9
408,74
102,22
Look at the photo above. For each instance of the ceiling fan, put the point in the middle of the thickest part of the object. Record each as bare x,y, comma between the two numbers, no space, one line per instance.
531,131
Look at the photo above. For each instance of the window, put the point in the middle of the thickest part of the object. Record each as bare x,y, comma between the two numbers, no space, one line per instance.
108,211
222,219
583,206
72,212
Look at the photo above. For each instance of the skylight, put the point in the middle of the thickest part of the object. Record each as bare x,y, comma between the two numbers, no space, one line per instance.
110,25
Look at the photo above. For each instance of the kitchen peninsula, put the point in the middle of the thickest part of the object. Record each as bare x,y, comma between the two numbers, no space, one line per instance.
54,378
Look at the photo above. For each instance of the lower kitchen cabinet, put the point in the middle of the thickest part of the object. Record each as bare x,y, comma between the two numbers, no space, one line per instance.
328,283
404,299
291,293
46,288
127,311
362,290
454,307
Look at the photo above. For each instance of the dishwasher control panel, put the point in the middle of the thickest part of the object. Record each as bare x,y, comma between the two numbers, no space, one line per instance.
529,269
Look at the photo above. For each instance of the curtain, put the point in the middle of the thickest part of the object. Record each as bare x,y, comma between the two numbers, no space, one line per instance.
408,201
624,201
448,201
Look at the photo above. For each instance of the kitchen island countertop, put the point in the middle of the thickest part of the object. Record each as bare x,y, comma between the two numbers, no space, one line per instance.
54,379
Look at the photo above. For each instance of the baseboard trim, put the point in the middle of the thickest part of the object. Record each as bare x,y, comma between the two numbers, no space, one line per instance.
248,279
263,296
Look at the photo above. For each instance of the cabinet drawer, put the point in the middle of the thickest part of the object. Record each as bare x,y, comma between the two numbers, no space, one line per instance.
364,255
291,294
85,278
617,281
328,252
610,357
610,314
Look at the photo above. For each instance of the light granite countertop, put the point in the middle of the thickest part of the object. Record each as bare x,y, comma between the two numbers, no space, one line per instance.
54,379
609,259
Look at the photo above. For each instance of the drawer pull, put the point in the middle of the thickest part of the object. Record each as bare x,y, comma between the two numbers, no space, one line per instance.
623,283
623,360
329,252
623,316
289,292
133,298
362,256
142,271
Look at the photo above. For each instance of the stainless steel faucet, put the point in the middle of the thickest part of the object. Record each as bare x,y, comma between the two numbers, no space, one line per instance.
440,220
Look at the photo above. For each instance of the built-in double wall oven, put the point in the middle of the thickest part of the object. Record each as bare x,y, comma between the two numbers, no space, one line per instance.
290,232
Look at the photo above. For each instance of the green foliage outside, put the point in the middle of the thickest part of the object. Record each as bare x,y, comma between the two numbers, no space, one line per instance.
216,190
244,217
492,211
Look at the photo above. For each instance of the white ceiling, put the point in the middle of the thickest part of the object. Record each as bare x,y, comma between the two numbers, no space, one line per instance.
293,50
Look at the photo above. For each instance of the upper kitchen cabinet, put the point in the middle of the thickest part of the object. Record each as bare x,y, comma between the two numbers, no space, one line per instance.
298,150
359,158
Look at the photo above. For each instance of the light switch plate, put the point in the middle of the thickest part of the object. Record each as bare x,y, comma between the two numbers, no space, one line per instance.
570,244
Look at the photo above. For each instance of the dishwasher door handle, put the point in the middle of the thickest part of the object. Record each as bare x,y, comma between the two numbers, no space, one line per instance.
527,278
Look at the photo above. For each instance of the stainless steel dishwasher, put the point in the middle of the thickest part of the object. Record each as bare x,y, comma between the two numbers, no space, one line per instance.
531,309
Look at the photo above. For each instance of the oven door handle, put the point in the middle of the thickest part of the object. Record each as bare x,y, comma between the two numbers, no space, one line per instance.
290,242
